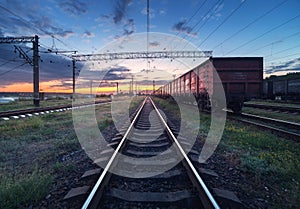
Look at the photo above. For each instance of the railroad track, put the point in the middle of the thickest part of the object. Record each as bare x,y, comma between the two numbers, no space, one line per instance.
275,108
171,182
280,127
23,113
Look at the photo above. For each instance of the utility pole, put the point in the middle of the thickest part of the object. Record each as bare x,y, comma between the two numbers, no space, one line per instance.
131,84
153,86
91,87
35,61
73,64
36,76
117,88
74,69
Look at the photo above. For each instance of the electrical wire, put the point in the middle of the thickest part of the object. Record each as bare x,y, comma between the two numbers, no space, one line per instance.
5,63
274,42
190,19
279,58
211,10
33,27
185,23
284,50
206,17
14,68
251,23
232,12
265,33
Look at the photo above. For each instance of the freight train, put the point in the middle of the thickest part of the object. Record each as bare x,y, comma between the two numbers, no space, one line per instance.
241,78
285,87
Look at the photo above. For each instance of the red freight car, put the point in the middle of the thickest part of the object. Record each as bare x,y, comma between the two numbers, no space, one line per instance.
241,78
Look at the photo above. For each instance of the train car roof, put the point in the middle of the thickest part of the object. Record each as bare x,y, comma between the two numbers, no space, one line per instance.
236,58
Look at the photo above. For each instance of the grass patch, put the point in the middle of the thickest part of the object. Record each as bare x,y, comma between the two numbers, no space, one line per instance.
15,128
38,141
105,122
135,102
24,104
23,190
270,161
59,166
169,105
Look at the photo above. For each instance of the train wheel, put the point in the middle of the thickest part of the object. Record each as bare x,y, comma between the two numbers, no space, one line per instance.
237,107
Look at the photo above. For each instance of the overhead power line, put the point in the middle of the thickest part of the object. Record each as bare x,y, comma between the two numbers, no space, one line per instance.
8,61
274,42
233,11
32,26
195,13
14,68
211,10
279,58
206,17
265,33
284,50
251,23
23,55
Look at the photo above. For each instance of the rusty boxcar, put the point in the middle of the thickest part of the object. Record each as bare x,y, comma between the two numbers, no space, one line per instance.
241,79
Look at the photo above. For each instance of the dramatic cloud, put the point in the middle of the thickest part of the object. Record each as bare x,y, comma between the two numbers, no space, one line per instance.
52,67
64,84
120,10
73,7
154,44
88,34
292,65
45,24
128,27
119,18
181,27
19,18
64,34
117,73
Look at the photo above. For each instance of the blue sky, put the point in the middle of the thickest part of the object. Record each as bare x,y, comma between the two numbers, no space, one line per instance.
227,27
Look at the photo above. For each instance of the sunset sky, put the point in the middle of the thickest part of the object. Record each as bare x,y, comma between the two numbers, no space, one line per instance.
270,29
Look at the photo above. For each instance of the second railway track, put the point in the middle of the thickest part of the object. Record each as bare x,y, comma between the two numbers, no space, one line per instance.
180,186
281,127
288,109
23,113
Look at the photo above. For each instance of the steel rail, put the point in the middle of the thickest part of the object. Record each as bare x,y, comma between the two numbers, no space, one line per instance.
206,197
103,175
273,107
278,121
42,109
293,135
